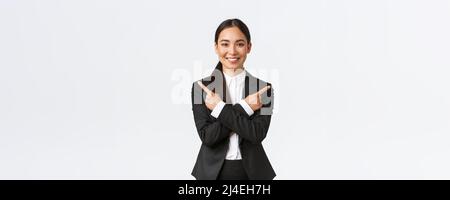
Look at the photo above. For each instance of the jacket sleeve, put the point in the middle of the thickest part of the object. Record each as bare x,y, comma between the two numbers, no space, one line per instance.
210,131
253,129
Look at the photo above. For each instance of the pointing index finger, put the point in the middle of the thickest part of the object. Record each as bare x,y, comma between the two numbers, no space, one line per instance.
260,92
204,87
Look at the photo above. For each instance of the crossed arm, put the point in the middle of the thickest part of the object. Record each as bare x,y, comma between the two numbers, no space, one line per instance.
232,118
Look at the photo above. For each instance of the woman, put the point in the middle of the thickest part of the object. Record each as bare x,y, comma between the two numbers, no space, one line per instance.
232,111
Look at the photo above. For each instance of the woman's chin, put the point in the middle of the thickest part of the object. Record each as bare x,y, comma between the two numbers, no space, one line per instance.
232,66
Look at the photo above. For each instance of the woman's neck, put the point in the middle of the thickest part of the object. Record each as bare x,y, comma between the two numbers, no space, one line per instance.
232,72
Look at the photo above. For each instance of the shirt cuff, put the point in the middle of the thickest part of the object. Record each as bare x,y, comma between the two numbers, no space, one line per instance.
216,111
246,107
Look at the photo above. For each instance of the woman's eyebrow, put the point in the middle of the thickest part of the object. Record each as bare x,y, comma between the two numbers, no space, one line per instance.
239,40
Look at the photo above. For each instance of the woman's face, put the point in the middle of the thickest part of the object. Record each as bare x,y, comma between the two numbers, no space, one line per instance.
232,48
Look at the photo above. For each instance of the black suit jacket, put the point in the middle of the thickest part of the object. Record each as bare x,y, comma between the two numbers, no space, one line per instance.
214,133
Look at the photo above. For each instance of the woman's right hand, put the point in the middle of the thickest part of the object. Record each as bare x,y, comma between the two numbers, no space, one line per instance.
212,99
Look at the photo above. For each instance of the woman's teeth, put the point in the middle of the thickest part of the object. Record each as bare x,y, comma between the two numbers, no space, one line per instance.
232,59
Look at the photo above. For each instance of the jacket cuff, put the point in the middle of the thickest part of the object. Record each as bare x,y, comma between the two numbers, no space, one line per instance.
246,107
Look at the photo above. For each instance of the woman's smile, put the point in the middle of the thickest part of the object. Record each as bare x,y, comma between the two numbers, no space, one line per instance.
232,59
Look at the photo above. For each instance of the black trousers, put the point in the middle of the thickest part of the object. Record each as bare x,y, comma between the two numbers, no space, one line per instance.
232,170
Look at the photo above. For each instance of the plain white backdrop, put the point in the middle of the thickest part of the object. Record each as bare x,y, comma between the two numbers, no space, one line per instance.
101,89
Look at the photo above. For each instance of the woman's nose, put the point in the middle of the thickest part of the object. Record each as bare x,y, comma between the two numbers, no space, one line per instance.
233,50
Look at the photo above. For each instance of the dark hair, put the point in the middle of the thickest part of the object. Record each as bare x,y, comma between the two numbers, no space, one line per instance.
228,24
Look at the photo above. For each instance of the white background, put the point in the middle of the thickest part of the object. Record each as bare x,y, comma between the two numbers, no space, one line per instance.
101,89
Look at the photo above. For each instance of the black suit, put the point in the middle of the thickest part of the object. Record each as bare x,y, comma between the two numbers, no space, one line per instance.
214,133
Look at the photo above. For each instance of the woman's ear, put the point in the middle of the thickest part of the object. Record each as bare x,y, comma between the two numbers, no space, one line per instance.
249,47
216,48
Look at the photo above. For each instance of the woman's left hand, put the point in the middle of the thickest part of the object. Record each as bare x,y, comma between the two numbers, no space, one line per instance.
254,100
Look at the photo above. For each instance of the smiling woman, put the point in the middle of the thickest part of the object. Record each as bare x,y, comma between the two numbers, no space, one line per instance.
232,112
232,44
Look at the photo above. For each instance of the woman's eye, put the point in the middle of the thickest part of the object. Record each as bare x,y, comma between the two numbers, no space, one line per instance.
241,44
224,44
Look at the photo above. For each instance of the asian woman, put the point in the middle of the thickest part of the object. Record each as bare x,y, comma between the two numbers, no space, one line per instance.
232,112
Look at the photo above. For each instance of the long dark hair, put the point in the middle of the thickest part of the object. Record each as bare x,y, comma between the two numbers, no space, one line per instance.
228,24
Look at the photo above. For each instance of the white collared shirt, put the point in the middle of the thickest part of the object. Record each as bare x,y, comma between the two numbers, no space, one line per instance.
235,85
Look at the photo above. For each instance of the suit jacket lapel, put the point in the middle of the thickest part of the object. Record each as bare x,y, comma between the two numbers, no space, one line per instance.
251,84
